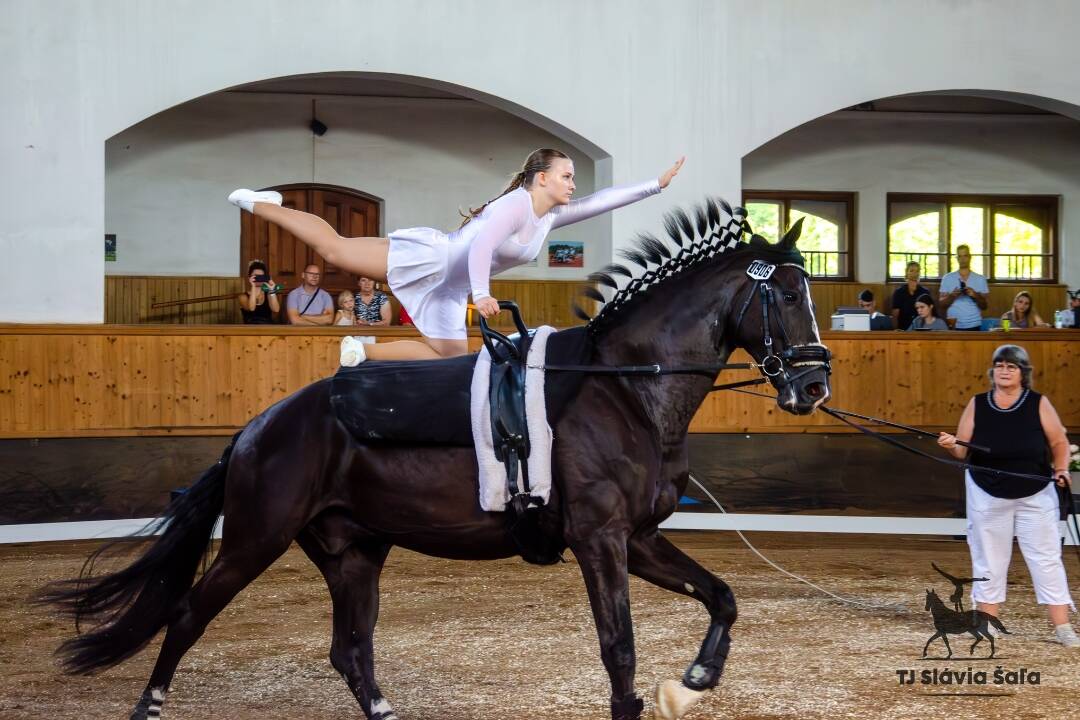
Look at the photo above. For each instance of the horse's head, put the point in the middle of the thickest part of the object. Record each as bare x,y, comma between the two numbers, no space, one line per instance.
931,596
772,318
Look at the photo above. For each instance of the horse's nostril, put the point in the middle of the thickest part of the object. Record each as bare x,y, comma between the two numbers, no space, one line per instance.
815,390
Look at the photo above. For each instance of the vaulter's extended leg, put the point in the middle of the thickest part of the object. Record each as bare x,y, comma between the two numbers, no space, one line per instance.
365,256
652,557
603,564
353,579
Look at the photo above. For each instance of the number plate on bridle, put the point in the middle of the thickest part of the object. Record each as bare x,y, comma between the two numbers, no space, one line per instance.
760,270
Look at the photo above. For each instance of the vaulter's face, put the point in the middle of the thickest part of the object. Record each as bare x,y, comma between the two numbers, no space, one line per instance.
558,180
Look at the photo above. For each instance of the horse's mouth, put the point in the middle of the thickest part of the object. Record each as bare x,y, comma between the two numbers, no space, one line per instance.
806,395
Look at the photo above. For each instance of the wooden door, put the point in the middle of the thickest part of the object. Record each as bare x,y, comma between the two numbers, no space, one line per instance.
350,213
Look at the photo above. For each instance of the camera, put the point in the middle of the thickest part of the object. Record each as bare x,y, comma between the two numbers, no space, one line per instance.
261,278
963,286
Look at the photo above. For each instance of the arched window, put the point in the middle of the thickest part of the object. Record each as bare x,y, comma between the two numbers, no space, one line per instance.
828,226
1011,237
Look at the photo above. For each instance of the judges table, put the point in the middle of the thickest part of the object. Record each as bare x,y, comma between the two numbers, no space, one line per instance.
137,380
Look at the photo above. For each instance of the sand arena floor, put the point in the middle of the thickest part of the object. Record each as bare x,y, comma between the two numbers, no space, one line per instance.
452,643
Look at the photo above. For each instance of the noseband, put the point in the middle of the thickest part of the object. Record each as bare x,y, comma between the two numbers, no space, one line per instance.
794,361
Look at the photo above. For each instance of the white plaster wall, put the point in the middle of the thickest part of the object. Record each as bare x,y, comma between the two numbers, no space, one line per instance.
643,81
873,154
166,179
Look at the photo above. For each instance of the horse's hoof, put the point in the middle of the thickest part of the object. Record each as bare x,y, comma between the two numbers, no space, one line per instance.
149,705
673,699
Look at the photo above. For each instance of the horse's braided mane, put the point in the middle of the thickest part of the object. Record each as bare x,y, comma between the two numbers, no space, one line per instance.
716,231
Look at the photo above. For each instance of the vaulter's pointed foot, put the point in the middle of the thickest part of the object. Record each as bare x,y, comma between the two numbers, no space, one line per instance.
246,199
673,700
352,352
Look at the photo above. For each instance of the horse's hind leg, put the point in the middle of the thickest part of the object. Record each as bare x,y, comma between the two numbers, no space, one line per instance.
231,572
653,558
353,579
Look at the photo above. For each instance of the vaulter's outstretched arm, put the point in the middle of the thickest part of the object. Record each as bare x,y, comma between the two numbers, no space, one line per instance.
611,198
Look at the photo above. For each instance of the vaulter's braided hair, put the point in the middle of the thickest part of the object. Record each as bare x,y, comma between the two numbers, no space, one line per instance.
716,229
537,162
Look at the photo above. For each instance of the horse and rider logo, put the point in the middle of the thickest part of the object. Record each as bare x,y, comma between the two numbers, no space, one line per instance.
957,621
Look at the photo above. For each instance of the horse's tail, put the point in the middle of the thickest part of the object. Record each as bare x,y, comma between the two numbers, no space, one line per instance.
997,624
129,607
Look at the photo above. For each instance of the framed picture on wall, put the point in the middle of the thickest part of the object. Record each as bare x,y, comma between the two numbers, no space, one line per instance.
110,248
567,254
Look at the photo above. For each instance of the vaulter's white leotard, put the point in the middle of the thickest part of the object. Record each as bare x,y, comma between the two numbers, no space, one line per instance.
432,273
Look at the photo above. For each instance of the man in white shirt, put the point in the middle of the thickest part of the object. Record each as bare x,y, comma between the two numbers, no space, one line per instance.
963,293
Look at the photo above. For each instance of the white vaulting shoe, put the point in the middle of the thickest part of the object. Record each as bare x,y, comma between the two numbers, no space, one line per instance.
246,199
1067,636
352,352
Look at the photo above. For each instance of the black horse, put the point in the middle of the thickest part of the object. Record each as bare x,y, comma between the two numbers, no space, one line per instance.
619,466
949,622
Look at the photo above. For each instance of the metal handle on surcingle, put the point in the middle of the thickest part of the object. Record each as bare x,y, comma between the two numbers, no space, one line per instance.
491,336
515,311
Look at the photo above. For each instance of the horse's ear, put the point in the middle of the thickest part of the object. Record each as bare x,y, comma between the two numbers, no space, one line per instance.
792,236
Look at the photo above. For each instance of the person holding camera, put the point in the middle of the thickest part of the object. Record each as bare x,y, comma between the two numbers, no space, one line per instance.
1023,432
260,304
963,293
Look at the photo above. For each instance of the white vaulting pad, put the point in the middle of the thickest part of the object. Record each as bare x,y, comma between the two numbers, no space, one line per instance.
493,487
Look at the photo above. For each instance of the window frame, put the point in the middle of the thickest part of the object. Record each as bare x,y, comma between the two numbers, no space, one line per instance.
1050,202
785,198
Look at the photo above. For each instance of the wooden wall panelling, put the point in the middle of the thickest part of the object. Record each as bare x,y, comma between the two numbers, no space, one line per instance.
60,381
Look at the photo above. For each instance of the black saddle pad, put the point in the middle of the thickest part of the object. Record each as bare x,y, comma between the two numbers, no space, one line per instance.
428,401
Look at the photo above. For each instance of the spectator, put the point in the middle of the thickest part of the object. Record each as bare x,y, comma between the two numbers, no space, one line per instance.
309,304
905,297
259,306
962,294
1023,313
1074,307
878,321
925,318
346,314
1022,431
372,306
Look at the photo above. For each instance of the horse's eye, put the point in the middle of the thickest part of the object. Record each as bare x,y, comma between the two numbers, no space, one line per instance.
791,297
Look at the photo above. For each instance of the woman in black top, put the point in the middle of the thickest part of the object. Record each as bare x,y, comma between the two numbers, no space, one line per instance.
1021,429
257,306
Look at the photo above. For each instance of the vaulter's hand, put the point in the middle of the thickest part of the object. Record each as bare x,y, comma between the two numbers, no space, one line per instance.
946,440
488,307
666,178
1063,478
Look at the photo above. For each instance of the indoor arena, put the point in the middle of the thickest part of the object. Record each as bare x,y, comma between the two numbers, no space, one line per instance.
476,361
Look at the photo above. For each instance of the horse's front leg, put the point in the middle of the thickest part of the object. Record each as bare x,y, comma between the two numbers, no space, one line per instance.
602,558
652,557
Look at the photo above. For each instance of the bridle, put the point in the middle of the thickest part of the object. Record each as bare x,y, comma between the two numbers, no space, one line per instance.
794,361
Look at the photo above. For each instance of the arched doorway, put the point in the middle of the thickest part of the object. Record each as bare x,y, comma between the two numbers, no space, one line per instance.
351,213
